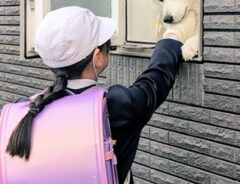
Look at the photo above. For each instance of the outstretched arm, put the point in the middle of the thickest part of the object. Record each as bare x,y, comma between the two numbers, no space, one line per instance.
136,104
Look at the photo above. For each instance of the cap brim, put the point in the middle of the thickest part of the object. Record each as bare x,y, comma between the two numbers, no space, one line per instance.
108,29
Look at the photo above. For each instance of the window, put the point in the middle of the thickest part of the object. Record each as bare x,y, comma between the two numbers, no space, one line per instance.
143,27
141,23
33,12
142,15
138,22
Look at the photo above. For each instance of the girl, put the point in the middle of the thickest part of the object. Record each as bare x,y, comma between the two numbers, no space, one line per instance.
75,44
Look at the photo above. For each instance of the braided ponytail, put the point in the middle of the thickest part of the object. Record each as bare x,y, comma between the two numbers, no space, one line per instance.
20,140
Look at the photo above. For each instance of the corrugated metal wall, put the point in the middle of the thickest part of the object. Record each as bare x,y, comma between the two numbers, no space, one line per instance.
194,136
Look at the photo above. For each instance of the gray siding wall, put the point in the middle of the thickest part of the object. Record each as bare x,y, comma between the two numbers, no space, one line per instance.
194,136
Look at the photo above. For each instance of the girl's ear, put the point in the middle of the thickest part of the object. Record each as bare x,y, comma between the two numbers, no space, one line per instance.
96,52
97,57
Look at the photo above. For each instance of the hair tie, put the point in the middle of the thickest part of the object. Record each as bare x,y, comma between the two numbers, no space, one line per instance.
34,109
63,75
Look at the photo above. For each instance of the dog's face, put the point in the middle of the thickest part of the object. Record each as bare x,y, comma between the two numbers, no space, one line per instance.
175,10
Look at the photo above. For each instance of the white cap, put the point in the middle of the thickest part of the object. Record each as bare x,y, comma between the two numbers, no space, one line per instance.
68,35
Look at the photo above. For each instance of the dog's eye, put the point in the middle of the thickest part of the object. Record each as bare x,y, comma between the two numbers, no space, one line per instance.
161,0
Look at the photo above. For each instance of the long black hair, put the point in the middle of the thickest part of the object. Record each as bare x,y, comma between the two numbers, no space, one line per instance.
20,140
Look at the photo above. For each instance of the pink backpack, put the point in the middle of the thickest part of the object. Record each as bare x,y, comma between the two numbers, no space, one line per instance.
71,143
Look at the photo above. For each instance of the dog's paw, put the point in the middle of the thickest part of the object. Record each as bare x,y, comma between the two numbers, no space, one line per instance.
190,48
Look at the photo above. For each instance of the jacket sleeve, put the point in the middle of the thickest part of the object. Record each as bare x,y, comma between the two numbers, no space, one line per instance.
136,104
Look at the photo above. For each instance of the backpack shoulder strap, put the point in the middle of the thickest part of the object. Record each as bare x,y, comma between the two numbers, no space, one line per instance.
110,157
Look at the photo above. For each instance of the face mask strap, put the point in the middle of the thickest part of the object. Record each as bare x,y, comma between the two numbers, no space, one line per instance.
95,70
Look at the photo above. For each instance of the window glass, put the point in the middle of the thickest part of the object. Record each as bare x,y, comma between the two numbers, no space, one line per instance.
99,7
143,20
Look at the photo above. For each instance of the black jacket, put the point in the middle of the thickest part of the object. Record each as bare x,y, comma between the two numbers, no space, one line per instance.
131,108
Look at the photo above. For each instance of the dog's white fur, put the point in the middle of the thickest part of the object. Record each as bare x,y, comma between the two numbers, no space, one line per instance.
180,10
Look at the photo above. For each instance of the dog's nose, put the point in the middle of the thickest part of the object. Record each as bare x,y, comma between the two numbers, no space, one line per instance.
168,19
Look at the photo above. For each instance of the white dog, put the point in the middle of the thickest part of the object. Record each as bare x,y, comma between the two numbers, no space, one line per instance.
182,17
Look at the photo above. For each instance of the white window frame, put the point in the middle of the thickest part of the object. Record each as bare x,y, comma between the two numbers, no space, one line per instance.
33,11
30,18
131,48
